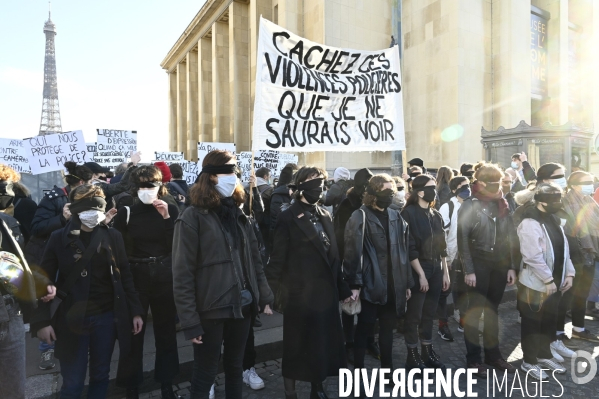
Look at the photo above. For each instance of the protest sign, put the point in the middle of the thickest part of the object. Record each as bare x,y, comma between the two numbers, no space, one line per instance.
49,153
91,148
190,169
168,156
266,159
273,160
284,159
115,146
13,154
312,97
204,148
244,161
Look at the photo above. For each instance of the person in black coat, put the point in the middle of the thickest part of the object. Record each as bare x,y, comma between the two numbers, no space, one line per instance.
306,262
100,306
23,209
377,267
444,194
281,195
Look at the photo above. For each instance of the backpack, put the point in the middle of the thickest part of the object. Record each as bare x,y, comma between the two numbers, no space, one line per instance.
451,206
177,192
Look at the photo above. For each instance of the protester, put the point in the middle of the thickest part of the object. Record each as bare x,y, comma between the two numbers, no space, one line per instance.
266,191
281,194
444,175
517,185
218,278
119,172
485,231
17,291
460,188
413,171
428,252
22,208
584,226
376,267
523,169
177,186
417,162
399,198
338,190
147,228
546,275
306,262
467,170
506,189
87,261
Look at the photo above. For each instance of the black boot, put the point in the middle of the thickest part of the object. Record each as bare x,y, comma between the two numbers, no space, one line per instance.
317,391
430,358
167,392
132,393
413,360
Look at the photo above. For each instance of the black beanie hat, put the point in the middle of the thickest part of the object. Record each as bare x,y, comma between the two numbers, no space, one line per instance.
285,176
362,177
416,161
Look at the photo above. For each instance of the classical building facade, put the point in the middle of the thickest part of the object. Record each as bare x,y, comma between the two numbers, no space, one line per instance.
467,65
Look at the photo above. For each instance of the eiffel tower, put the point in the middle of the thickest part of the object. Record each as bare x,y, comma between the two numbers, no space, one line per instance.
50,121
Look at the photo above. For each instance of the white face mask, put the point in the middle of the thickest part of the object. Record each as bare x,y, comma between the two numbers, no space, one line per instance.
148,195
92,218
588,189
400,195
226,185
561,182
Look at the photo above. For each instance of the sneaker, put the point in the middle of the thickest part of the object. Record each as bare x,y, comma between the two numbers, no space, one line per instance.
456,316
501,365
211,395
253,380
373,349
552,364
534,371
555,355
461,326
444,332
482,370
47,360
568,342
585,335
558,347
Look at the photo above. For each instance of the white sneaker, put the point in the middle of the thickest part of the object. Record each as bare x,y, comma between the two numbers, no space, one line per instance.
456,315
534,371
552,365
558,347
253,380
211,395
519,319
556,355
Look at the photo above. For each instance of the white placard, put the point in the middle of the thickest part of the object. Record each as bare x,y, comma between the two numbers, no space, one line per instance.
115,146
244,161
204,148
312,97
168,156
13,154
190,169
49,153
91,148
273,160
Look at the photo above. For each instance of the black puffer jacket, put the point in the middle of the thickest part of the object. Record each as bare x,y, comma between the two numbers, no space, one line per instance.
204,276
279,197
427,237
371,276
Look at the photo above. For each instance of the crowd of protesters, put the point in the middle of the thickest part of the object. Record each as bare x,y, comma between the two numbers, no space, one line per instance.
86,265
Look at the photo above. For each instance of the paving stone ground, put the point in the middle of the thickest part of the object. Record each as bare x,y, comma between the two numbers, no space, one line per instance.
452,354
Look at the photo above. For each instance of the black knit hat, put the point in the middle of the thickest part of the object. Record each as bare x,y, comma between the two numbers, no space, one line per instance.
416,161
285,176
362,177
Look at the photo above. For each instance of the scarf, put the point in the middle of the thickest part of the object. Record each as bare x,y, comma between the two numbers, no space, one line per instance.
227,213
584,212
478,191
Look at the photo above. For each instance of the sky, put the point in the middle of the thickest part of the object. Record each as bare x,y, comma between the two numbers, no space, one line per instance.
108,56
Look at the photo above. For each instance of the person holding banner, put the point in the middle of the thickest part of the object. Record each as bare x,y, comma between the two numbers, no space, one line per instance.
306,263
218,278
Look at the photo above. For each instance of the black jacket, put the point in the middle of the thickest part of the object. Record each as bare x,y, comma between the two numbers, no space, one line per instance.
427,237
336,194
23,211
444,195
346,208
204,276
371,275
279,197
181,185
58,262
483,237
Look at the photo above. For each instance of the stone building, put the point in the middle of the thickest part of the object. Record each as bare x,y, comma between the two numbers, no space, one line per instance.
466,65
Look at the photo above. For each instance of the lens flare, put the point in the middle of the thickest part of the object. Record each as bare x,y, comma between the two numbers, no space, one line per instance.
452,133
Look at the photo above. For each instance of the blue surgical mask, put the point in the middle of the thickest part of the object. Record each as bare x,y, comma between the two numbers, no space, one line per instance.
561,182
514,165
464,192
226,185
588,189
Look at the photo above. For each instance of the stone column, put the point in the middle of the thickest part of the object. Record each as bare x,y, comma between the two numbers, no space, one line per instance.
181,107
172,107
205,89
557,54
239,75
257,8
192,104
220,83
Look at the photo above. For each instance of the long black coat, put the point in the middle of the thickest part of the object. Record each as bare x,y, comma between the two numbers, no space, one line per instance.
313,345
58,262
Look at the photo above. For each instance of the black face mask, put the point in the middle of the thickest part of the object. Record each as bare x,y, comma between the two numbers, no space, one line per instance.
384,199
552,207
311,190
430,193
492,188
414,174
7,195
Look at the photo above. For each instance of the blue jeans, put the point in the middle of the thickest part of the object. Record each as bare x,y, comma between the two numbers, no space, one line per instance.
98,339
44,346
12,353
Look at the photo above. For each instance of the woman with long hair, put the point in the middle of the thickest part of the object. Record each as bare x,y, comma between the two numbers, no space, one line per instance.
485,234
87,263
444,176
429,270
306,263
546,274
147,228
218,280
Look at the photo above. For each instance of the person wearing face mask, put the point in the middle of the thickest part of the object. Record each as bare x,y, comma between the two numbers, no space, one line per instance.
467,170
413,171
147,228
218,277
460,187
399,198
377,268
583,225
306,262
428,252
87,263
485,234
506,189
547,273
525,171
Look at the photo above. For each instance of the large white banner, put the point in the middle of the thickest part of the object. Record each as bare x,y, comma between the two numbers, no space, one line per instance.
49,153
312,97
14,154
115,146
